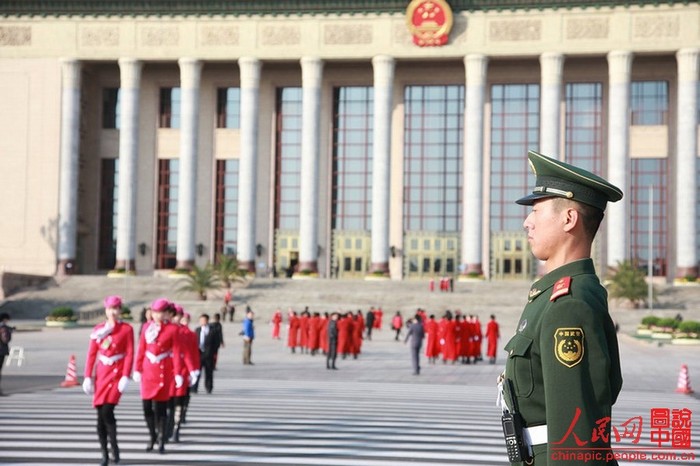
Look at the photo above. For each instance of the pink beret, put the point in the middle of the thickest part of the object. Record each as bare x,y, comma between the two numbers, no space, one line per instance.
113,301
178,309
187,315
160,305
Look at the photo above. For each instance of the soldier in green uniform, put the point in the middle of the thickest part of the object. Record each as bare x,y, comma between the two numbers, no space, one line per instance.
563,360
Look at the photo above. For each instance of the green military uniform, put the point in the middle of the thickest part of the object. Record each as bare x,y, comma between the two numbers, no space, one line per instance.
564,360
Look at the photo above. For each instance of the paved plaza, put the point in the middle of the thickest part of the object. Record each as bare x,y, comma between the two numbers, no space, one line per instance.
288,409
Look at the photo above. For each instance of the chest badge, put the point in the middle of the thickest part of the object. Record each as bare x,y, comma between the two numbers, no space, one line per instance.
568,345
522,325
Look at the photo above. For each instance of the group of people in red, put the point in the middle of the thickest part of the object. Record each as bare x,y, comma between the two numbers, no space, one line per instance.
309,331
166,364
446,284
458,338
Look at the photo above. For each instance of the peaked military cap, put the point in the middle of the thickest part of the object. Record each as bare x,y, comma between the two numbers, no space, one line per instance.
560,179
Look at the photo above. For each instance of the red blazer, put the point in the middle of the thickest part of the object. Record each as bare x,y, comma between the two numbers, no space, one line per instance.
292,338
189,354
158,376
114,356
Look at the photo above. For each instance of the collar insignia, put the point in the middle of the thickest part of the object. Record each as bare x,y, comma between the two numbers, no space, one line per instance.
534,292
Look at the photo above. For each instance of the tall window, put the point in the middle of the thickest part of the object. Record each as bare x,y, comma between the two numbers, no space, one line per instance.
649,102
514,130
352,158
109,193
648,173
226,233
228,107
110,108
169,114
288,158
433,129
166,243
584,126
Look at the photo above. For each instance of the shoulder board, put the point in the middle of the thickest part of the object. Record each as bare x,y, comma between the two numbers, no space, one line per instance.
561,288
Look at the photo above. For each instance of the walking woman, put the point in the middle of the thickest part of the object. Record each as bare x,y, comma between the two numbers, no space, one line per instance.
157,370
110,357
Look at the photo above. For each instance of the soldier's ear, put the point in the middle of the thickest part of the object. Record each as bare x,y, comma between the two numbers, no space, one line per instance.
571,218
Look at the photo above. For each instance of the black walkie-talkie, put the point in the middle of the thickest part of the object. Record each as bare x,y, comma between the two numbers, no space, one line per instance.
512,423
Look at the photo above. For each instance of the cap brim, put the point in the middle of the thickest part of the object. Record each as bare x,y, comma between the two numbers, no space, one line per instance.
530,199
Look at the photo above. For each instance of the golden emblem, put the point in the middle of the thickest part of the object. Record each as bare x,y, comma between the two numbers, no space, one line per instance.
568,346
429,21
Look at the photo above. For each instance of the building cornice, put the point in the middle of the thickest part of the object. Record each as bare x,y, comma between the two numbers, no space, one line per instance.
48,8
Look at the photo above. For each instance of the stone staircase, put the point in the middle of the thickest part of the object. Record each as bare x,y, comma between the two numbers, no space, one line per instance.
85,293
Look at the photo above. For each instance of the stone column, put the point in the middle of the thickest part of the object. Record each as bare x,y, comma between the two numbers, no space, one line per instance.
473,164
129,94
69,165
247,168
311,77
687,164
381,166
551,65
190,75
620,64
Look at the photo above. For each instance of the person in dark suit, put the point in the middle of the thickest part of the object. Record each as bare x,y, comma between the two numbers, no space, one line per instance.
218,330
206,339
332,341
416,333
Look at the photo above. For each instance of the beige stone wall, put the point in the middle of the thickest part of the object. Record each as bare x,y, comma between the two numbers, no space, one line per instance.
29,140
506,33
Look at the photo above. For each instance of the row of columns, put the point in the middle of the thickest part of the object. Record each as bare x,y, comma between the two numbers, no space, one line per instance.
619,63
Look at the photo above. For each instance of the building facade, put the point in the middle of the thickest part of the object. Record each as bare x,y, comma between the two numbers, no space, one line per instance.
321,137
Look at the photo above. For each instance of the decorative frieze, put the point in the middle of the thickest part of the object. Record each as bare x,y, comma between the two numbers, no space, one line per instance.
515,30
15,35
347,34
213,36
158,36
587,28
277,34
656,27
99,36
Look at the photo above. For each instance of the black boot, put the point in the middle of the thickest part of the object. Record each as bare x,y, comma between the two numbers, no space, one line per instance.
102,435
150,422
112,434
177,422
162,433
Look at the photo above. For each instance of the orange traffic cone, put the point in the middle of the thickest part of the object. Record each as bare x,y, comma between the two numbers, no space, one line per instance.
71,377
684,381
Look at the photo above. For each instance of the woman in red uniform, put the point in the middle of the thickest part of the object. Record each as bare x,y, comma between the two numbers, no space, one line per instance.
292,336
157,369
112,351
276,322
189,353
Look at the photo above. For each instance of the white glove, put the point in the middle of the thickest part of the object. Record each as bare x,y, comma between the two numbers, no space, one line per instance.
178,381
136,376
194,375
123,383
87,386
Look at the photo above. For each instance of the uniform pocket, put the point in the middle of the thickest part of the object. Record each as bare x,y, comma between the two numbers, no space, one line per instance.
519,359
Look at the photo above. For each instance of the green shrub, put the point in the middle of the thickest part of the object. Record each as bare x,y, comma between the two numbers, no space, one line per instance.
62,311
668,322
627,282
689,326
650,320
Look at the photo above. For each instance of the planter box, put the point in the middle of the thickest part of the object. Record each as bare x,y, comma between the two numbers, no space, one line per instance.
61,324
686,341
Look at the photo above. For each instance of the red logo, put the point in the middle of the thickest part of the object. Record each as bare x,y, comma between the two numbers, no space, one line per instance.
430,22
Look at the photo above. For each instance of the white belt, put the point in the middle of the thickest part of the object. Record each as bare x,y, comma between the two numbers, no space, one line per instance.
110,360
536,435
156,359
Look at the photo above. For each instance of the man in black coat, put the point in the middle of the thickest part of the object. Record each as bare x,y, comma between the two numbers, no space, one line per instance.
332,341
369,323
207,340
416,333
